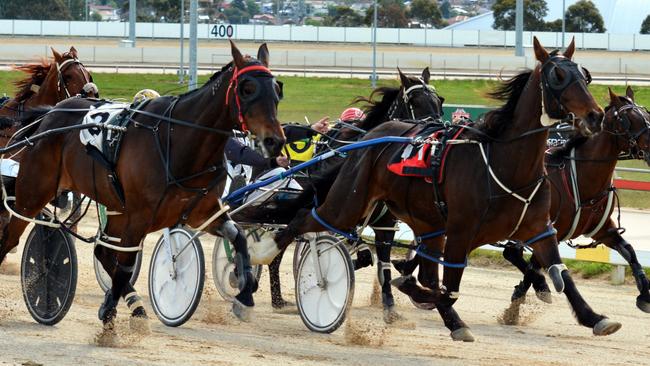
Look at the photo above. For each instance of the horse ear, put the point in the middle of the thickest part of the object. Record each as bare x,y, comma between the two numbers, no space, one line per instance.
403,78
629,93
426,75
263,55
57,55
568,53
540,52
237,56
613,98
73,52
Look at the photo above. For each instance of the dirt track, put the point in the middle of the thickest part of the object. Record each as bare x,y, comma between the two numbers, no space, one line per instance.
550,337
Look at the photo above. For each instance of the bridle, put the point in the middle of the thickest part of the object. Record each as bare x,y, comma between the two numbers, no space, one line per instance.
407,97
552,88
622,119
61,84
244,73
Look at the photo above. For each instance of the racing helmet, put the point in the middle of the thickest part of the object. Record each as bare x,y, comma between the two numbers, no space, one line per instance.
145,94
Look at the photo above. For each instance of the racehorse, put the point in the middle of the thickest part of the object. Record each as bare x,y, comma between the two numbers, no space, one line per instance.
170,171
414,99
493,188
583,200
47,84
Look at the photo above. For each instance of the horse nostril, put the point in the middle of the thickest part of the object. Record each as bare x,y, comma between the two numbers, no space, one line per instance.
269,142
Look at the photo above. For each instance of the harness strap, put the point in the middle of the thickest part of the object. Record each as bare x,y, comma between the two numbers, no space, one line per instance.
331,228
421,251
573,171
525,201
606,213
550,231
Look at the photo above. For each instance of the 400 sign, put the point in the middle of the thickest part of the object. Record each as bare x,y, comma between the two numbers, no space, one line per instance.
222,31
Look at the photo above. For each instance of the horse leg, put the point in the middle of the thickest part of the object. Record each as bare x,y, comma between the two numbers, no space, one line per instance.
383,241
243,303
455,253
276,290
514,254
615,241
119,264
546,252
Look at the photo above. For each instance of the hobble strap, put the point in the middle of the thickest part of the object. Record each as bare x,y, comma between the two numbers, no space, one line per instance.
421,251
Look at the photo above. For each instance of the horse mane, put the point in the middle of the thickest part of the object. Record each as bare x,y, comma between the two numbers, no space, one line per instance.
36,74
508,92
376,106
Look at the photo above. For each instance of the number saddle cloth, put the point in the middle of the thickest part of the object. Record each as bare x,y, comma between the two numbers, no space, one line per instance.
102,144
426,160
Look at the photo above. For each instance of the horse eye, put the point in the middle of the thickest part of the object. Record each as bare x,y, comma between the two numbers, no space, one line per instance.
248,89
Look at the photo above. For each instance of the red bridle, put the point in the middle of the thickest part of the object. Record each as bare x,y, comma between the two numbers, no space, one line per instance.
235,81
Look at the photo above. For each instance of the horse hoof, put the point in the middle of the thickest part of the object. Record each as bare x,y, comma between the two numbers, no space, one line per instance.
139,324
401,280
544,296
233,280
424,305
241,311
391,316
285,307
462,334
642,304
606,327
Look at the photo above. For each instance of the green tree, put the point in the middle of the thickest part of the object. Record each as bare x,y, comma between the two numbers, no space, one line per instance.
445,9
645,26
252,7
342,16
390,14
94,17
584,17
554,26
426,11
534,13
236,15
154,10
35,9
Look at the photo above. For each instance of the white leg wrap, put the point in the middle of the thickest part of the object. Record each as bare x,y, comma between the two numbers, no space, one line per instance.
263,251
555,272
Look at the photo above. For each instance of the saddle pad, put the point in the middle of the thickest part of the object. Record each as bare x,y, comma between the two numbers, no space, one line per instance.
419,161
105,113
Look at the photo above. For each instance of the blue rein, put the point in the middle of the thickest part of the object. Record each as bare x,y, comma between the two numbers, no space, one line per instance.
234,196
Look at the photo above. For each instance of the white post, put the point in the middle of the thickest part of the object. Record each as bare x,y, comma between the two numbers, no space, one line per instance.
374,47
132,22
618,275
194,7
519,28
181,77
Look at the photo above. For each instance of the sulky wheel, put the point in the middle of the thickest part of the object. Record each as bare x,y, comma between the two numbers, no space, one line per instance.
176,276
223,266
323,306
48,274
104,280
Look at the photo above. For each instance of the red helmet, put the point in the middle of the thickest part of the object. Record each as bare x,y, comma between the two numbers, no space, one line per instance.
352,114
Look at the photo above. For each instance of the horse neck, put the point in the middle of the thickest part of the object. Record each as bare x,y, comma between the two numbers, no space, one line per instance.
206,147
597,160
529,149
48,92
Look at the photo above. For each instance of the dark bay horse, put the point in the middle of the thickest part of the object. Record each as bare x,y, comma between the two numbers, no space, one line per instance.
493,187
414,99
582,171
171,171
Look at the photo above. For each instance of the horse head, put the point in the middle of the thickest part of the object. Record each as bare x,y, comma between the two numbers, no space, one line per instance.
630,123
254,94
420,100
564,90
72,78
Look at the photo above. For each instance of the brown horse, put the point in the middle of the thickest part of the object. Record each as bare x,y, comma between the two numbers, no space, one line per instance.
46,84
582,172
494,186
171,171
413,99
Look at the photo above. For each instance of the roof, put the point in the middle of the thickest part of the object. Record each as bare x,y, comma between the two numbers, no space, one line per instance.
620,16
